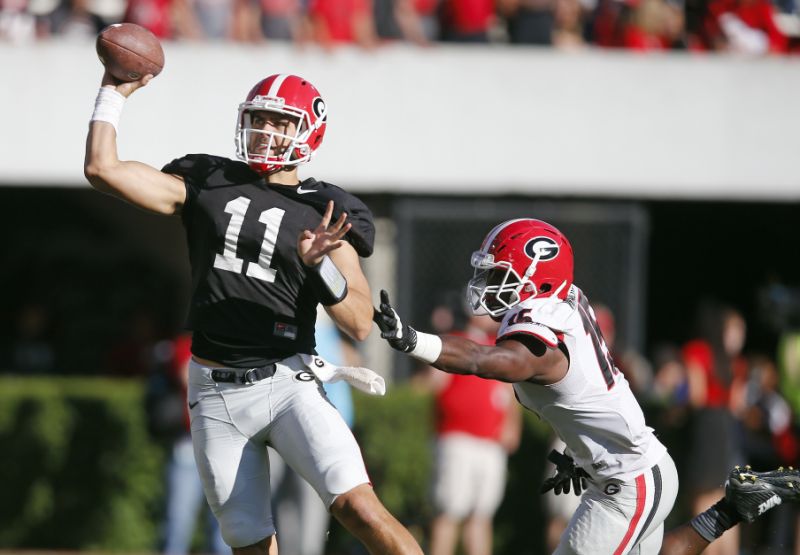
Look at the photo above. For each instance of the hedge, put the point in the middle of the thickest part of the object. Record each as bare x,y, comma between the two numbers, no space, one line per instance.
81,473
79,470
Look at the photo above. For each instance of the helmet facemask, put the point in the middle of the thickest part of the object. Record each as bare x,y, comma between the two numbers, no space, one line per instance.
257,146
495,287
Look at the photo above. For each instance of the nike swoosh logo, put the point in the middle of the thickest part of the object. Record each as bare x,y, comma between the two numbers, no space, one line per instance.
193,405
301,191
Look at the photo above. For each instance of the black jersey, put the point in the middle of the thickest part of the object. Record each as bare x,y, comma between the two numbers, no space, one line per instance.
251,303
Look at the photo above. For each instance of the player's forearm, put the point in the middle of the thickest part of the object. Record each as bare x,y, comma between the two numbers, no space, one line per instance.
458,356
462,356
353,315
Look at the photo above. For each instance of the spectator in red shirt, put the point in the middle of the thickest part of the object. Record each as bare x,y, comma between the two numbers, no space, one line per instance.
166,19
477,425
643,31
343,21
714,369
467,20
745,26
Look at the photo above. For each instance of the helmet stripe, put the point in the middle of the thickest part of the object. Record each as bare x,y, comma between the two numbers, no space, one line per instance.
276,84
493,233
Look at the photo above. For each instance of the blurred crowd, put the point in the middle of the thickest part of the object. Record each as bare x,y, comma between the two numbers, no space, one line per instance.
753,27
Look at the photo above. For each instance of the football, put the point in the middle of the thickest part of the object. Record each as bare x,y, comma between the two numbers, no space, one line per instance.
129,51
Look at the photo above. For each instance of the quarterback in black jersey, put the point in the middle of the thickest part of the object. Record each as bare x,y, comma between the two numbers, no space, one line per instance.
265,249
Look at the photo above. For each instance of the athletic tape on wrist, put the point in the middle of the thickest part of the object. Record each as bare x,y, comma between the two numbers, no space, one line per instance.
428,348
328,282
108,107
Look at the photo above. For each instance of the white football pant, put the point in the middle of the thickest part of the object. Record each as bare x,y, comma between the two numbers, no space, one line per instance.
232,424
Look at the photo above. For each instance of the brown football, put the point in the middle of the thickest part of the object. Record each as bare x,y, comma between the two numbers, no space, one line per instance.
129,51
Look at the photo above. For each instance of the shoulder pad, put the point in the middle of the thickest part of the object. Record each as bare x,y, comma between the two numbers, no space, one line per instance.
204,171
511,328
551,312
195,165
317,194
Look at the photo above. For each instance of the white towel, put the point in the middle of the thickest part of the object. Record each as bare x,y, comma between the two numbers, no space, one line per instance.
362,379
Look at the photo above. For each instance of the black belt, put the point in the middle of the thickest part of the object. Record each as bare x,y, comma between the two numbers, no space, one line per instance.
249,375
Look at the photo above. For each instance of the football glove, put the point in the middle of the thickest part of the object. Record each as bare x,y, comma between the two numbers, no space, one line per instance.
567,473
400,336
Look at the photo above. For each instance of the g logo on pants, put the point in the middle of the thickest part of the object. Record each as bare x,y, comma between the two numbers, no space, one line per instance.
612,489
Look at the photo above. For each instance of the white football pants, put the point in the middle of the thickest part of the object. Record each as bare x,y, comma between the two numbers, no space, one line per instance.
232,424
616,517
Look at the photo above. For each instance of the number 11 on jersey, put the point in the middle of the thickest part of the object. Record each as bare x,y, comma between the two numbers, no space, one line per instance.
228,260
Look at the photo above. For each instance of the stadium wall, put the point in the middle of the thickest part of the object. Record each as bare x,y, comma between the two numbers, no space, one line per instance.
454,120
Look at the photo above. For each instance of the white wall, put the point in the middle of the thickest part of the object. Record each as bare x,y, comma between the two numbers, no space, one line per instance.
480,120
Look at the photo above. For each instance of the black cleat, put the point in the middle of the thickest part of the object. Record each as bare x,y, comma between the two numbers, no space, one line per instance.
754,493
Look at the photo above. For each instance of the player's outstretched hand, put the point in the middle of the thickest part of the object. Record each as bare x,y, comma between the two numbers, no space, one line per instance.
567,474
312,246
400,336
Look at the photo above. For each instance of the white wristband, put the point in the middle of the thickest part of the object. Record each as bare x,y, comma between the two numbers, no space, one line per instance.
428,348
108,107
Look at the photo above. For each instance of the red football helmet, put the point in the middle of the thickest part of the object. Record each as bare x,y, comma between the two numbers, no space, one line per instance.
519,259
291,96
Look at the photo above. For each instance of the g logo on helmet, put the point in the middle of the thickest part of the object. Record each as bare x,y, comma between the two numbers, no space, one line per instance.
545,247
318,105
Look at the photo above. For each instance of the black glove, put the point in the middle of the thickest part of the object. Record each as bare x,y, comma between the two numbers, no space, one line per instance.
566,472
400,336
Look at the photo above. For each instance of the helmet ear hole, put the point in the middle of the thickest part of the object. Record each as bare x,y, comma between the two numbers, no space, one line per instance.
528,287
545,287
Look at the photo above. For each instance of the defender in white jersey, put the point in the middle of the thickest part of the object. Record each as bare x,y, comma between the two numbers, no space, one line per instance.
592,408
550,347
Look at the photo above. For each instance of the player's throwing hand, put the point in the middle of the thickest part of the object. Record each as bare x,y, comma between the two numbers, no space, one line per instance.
312,246
124,88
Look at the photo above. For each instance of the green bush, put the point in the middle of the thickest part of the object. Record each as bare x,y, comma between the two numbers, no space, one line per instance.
81,473
78,468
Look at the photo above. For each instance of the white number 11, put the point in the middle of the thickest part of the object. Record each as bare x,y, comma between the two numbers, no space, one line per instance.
229,261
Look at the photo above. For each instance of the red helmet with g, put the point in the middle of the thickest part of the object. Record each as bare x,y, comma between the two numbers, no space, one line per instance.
266,149
518,260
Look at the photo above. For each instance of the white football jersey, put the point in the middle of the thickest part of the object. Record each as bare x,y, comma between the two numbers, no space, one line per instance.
592,408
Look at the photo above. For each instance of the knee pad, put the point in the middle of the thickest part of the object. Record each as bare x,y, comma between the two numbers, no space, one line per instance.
240,529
